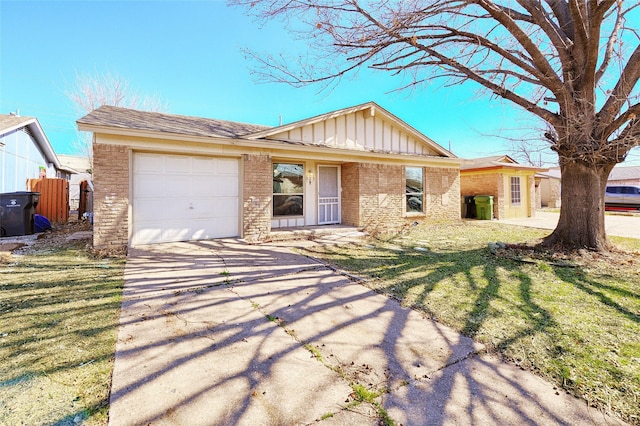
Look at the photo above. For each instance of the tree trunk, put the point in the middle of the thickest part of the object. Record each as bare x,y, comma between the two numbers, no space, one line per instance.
581,223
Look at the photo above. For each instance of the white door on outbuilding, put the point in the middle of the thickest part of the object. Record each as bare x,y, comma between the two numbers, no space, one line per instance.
184,198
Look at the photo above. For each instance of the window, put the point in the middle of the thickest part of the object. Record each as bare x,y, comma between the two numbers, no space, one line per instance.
515,191
414,187
288,189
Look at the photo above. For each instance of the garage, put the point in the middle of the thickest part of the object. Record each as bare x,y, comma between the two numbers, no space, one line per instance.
184,198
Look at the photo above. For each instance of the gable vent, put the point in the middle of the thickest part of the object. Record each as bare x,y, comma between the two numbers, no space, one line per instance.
28,132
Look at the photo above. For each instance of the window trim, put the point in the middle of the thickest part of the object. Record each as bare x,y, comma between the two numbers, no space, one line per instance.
300,194
421,194
515,191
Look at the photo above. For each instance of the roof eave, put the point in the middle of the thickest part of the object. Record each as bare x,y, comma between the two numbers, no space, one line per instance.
260,143
505,166
43,142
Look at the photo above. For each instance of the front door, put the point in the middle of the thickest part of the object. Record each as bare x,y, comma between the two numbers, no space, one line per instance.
328,195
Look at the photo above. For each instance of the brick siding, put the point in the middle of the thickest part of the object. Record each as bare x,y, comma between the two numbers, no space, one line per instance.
382,190
373,196
111,196
442,189
533,200
350,200
256,196
485,184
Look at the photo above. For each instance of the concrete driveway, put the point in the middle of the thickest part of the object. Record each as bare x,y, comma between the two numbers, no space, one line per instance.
220,332
615,224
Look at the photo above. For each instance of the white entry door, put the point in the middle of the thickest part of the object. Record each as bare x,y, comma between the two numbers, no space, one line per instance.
182,198
328,195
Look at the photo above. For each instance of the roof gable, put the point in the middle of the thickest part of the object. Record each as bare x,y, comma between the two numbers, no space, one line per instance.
495,163
10,123
492,160
366,127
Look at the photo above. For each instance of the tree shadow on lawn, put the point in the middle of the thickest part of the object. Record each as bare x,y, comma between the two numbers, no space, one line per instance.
57,320
471,280
606,294
523,311
235,334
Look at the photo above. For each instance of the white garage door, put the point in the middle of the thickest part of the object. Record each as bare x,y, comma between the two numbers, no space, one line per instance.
182,198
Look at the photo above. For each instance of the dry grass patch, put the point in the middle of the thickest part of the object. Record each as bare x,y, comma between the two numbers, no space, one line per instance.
58,322
573,319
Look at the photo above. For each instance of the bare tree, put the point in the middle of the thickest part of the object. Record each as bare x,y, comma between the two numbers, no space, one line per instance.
90,91
528,152
575,64
530,148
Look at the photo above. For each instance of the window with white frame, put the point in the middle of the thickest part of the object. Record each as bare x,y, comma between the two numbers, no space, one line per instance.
288,189
414,189
515,191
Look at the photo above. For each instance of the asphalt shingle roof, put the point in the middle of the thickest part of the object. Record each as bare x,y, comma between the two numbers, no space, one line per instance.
11,121
625,173
125,118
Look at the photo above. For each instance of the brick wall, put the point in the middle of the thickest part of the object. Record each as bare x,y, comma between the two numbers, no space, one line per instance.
485,184
373,196
111,196
256,196
533,196
442,191
500,199
554,187
350,201
381,190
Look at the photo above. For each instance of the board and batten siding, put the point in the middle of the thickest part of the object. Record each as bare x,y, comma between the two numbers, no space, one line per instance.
358,131
20,159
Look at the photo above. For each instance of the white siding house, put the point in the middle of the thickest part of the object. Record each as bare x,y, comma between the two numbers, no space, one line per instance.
25,153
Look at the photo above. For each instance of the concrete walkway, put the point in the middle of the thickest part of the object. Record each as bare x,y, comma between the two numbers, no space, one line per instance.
615,224
220,333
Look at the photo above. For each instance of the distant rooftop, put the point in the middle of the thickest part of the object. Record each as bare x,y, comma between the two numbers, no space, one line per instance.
625,173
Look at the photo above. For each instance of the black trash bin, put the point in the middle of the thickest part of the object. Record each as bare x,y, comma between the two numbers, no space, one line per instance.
469,201
16,213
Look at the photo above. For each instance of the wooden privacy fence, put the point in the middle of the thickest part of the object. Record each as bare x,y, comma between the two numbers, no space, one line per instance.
85,203
54,198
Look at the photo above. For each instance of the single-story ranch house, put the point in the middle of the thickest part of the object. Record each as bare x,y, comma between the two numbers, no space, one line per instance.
162,177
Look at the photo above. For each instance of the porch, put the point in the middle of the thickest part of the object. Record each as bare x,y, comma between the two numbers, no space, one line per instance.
327,233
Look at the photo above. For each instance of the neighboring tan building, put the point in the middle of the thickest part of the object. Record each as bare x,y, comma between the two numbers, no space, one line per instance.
81,167
549,188
163,177
512,185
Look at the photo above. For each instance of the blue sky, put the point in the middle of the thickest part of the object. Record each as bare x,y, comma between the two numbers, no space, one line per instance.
188,53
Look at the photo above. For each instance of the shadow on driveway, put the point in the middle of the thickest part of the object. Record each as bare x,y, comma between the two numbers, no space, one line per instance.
221,332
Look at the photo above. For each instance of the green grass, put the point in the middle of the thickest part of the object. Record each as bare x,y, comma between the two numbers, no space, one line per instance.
364,394
59,313
576,326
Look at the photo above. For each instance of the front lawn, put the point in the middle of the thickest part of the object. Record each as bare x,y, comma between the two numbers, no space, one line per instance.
59,311
573,320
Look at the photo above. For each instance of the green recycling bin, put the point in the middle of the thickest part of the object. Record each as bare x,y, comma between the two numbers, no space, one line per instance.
484,207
